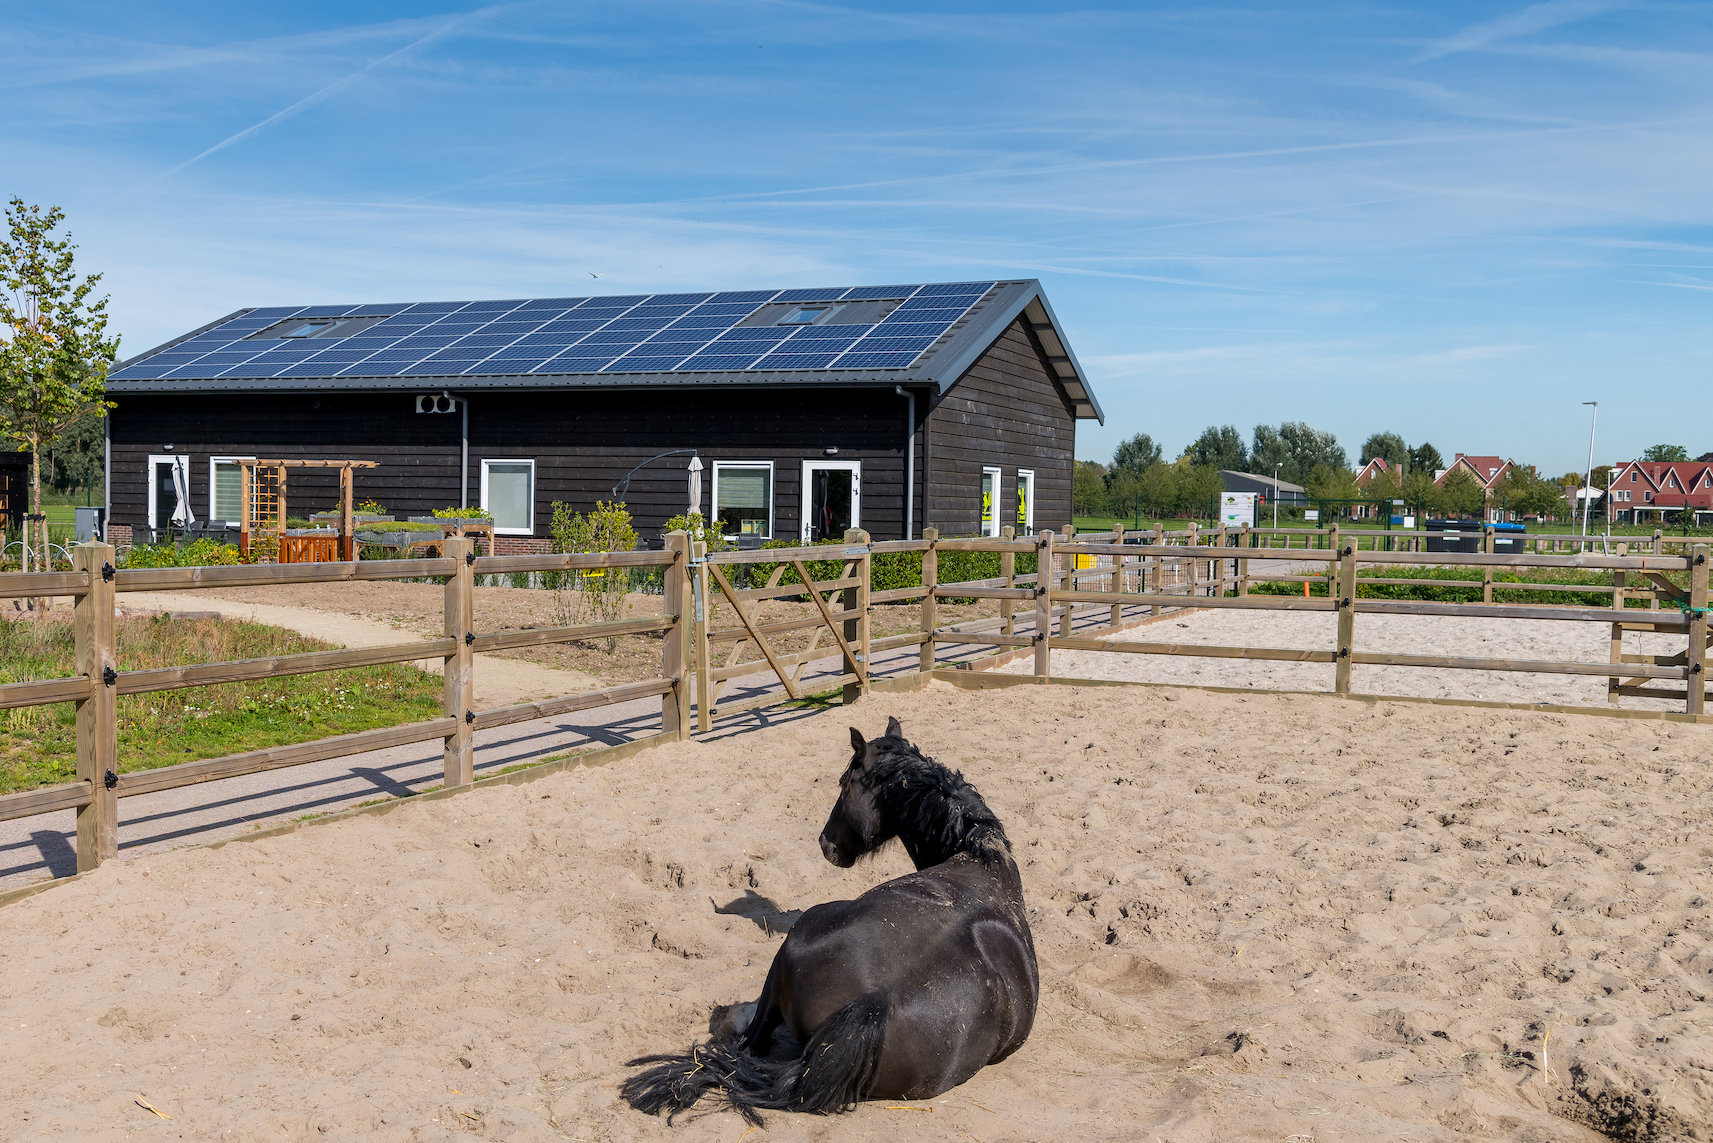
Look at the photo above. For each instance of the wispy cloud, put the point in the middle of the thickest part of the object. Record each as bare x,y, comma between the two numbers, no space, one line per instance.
1534,18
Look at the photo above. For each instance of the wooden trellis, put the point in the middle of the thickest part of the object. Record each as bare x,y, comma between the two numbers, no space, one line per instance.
262,504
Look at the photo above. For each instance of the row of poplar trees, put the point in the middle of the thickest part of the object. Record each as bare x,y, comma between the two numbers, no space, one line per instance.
55,353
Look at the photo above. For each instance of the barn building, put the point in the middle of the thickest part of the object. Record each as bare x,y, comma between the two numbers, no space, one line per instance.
889,408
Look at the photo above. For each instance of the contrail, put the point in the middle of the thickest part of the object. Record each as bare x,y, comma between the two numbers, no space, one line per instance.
307,101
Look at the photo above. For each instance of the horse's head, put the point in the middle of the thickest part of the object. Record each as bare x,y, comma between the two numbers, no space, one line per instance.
856,825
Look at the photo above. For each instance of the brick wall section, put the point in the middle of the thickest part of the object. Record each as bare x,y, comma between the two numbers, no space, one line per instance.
521,545
118,534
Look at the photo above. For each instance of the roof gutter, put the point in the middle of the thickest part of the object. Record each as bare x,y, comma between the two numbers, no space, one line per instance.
909,462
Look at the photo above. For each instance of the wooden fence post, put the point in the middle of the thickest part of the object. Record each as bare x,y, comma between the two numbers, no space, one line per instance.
1697,657
1116,583
675,703
1043,601
1487,570
459,671
1194,542
1247,541
856,630
701,620
1008,571
1346,615
97,715
1618,594
1159,570
930,605
1065,578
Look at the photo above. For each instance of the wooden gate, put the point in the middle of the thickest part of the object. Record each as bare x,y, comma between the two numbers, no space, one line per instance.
848,626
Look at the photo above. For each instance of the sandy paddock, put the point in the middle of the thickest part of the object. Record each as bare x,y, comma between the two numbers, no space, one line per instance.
1533,639
1258,917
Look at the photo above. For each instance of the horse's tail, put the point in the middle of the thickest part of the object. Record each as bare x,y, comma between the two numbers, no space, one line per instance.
834,1072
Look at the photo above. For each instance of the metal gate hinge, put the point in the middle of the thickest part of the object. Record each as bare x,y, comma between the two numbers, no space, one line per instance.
109,675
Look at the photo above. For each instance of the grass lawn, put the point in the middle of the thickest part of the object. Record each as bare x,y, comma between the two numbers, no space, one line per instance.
38,744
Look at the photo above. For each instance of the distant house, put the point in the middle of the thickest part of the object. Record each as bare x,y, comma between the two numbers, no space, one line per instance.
1487,471
887,408
1652,489
1373,470
1265,487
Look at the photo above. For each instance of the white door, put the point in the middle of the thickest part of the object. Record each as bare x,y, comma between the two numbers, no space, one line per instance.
831,499
163,493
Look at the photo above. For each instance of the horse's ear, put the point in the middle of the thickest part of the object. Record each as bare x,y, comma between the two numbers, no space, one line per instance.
894,729
858,742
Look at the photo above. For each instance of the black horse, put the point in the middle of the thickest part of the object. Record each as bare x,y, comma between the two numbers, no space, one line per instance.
901,994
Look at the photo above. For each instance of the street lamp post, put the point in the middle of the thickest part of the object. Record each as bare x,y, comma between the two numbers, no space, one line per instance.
1593,418
1276,469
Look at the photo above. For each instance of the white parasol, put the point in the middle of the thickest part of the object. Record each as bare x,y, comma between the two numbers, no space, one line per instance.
695,484
182,514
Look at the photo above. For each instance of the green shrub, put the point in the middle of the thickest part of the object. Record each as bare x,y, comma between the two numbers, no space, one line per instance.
198,553
462,514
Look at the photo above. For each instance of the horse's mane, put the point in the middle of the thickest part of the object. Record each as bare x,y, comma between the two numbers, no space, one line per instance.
934,809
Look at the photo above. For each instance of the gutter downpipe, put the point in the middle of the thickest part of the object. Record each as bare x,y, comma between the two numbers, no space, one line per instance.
463,451
909,463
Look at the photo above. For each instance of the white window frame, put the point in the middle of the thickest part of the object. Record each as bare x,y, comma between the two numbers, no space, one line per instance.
499,531
214,462
990,527
1026,479
804,499
714,491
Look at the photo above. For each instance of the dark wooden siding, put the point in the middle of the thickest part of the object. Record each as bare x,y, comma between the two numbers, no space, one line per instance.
1006,411
583,443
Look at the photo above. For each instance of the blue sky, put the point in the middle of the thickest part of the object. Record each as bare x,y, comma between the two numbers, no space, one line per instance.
1454,221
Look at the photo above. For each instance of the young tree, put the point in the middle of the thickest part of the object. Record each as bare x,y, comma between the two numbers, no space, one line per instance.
1328,483
1666,452
1088,489
1425,458
78,461
1462,493
54,360
1158,486
1389,447
1220,446
1136,454
1420,490
1197,486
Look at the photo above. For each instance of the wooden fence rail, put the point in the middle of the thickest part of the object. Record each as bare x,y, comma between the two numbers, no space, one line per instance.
1084,587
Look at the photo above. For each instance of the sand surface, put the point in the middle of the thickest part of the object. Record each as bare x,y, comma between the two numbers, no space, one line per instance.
1532,639
1258,918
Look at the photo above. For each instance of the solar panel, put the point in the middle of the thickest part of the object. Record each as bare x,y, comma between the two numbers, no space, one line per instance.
810,295
628,333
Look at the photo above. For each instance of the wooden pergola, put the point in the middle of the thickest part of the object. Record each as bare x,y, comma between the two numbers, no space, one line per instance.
262,499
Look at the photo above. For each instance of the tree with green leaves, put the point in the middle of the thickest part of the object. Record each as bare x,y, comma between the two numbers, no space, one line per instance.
54,360
1088,489
1158,487
1197,487
1220,446
1462,494
1666,452
1425,458
1328,483
1295,447
78,460
1389,447
1135,454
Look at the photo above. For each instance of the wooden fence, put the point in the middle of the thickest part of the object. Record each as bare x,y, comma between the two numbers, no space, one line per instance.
1087,590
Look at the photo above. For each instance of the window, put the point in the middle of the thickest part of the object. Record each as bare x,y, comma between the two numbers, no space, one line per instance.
743,498
1025,501
307,329
990,501
224,490
1632,478
803,315
508,493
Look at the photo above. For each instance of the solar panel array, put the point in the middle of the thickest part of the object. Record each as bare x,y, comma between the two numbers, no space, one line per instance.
638,334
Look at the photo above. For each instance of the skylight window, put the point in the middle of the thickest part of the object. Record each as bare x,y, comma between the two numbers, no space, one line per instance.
306,329
803,315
